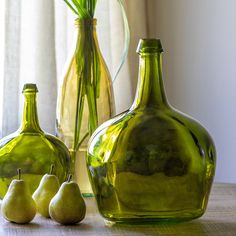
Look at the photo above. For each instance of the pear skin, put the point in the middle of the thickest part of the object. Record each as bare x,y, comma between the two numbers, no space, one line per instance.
46,190
68,206
17,205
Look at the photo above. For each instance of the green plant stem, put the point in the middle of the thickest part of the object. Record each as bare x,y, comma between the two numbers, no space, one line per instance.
69,178
88,72
82,140
51,169
71,7
87,60
85,9
19,173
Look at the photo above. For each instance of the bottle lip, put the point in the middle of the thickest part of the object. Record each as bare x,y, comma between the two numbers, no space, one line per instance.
30,88
86,22
149,45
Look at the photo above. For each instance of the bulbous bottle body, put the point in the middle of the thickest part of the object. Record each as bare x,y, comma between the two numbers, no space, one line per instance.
151,162
32,150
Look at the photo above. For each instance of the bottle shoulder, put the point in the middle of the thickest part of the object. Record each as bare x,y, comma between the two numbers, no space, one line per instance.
152,127
31,143
152,117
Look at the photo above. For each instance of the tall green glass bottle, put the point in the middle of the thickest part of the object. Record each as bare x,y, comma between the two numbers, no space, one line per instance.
85,100
30,149
151,163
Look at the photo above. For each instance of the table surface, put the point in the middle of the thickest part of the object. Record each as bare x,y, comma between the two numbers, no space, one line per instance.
219,219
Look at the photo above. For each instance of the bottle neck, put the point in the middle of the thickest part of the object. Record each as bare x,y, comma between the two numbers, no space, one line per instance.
150,90
87,31
30,123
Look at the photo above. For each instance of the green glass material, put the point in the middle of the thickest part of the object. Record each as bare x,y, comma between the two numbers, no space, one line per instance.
86,96
30,149
151,163
85,99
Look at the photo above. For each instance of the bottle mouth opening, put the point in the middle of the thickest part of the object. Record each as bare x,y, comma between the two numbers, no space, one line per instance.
30,88
151,45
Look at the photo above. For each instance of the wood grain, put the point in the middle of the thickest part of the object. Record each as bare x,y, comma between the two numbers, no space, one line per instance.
220,219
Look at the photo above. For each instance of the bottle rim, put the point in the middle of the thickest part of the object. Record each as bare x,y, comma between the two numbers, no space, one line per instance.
149,45
30,88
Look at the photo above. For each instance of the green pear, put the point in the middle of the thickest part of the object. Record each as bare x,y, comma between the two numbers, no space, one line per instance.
68,206
46,190
17,205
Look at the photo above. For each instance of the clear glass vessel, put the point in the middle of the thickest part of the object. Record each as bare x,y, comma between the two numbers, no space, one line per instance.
30,149
152,162
85,99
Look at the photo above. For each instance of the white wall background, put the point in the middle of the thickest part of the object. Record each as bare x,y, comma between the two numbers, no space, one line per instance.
199,41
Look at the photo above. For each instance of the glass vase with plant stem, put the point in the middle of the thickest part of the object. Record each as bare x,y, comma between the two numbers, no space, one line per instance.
86,95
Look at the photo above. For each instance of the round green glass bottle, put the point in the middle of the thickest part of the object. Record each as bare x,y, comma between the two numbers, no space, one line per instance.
30,149
151,163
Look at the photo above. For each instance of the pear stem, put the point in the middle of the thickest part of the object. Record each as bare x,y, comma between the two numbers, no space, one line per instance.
69,177
52,169
19,173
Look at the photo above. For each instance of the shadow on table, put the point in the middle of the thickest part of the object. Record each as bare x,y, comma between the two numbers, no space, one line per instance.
80,227
42,225
11,225
191,228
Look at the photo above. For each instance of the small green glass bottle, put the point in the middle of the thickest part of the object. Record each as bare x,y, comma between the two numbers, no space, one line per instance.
151,163
30,149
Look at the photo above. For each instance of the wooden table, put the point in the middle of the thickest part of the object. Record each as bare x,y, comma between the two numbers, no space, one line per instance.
220,219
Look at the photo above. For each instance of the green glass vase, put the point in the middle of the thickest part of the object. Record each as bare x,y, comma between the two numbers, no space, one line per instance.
151,163
30,149
85,99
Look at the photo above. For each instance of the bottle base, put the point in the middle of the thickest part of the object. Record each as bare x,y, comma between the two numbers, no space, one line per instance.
151,218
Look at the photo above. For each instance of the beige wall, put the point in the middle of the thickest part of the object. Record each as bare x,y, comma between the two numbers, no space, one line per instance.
199,41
